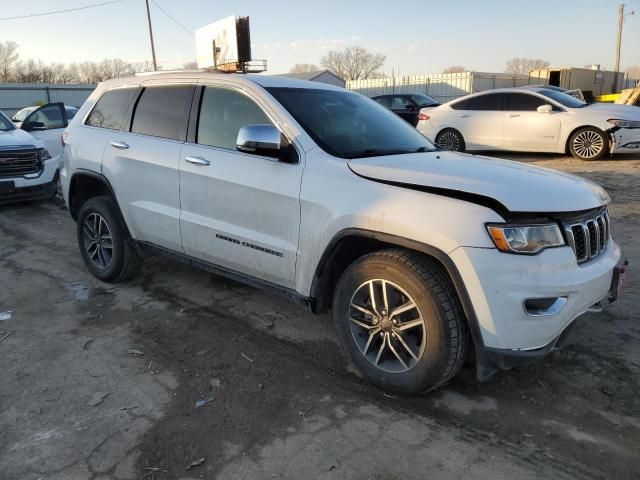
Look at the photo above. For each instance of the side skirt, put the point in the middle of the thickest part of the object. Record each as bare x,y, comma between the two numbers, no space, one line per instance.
150,249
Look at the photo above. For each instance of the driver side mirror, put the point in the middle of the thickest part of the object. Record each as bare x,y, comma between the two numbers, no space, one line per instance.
546,108
263,140
33,127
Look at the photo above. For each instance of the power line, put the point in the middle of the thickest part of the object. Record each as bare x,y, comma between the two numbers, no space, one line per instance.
172,18
61,11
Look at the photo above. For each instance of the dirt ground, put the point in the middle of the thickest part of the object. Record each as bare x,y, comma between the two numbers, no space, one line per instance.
102,381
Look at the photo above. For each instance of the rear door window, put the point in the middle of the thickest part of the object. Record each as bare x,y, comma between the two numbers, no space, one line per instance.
222,113
111,109
384,101
489,102
400,103
163,111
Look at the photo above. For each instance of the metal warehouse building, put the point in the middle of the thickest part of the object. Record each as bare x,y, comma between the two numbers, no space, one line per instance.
15,96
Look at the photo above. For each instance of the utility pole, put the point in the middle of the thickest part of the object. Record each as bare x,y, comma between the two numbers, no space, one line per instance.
153,49
619,42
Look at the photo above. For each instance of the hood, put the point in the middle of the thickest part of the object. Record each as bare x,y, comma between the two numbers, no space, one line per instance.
499,184
625,112
18,138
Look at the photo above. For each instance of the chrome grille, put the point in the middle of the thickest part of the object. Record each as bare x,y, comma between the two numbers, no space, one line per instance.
19,162
589,237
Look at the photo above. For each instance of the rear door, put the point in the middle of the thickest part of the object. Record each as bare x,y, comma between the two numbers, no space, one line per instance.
528,129
240,211
480,119
47,124
141,162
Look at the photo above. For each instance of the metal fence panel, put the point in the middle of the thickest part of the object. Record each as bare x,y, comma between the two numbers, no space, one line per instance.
15,96
441,87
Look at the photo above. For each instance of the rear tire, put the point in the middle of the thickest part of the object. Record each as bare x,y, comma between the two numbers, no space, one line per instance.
105,244
450,139
589,144
416,349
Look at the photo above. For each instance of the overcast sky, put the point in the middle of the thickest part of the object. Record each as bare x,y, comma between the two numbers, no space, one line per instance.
420,36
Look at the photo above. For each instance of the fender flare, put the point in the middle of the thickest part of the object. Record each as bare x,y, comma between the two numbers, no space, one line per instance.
484,367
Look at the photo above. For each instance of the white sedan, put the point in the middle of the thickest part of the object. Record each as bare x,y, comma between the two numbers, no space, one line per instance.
532,120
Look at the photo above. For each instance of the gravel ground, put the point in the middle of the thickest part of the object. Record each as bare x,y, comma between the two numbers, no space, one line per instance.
102,381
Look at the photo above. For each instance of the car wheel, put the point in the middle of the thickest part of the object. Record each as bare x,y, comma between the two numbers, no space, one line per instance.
450,139
588,143
104,241
399,320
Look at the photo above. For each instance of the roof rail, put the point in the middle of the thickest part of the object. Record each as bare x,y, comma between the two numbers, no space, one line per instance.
158,72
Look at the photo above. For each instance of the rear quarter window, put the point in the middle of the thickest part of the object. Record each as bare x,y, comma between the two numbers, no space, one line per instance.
111,108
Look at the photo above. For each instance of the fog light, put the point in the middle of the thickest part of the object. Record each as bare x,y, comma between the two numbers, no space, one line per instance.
538,307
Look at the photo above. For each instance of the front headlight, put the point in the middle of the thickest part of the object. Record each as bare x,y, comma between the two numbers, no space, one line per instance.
44,154
624,123
528,239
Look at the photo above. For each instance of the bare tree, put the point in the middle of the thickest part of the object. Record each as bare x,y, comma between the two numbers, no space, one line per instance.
455,69
354,63
303,68
524,65
8,59
144,66
190,65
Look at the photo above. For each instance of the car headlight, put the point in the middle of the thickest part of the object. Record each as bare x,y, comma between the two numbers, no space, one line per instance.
527,239
43,154
624,123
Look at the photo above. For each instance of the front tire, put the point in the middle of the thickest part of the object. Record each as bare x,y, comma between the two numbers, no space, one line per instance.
450,139
399,320
588,143
104,241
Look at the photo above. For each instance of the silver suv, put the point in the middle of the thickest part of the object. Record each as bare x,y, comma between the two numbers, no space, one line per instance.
326,197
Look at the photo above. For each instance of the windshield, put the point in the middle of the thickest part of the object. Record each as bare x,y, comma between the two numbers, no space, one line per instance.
22,114
423,100
350,125
562,98
5,123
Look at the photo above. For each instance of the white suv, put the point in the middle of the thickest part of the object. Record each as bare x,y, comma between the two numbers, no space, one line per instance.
30,157
325,196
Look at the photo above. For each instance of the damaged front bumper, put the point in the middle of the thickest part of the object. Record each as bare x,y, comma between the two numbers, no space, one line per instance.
625,140
490,360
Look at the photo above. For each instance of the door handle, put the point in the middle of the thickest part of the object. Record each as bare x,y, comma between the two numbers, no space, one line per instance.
513,115
464,116
197,160
119,145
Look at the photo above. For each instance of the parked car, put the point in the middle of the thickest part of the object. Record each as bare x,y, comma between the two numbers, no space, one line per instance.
22,114
326,197
406,105
28,171
576,93
533,120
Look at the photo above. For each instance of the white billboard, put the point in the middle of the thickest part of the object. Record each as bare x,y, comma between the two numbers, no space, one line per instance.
223,32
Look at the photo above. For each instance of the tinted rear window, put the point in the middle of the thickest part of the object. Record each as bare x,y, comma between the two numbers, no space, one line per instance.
163,111
111,109
491,101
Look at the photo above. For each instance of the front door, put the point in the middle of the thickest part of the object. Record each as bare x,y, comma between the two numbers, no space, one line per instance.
526,128
47,124
240,211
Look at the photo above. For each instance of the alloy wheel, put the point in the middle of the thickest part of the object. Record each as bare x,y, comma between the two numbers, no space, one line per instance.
588,144
387,326
449,140
97,239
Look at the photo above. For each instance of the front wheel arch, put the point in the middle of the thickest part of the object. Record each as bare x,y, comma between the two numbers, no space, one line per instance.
606,133
350,244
